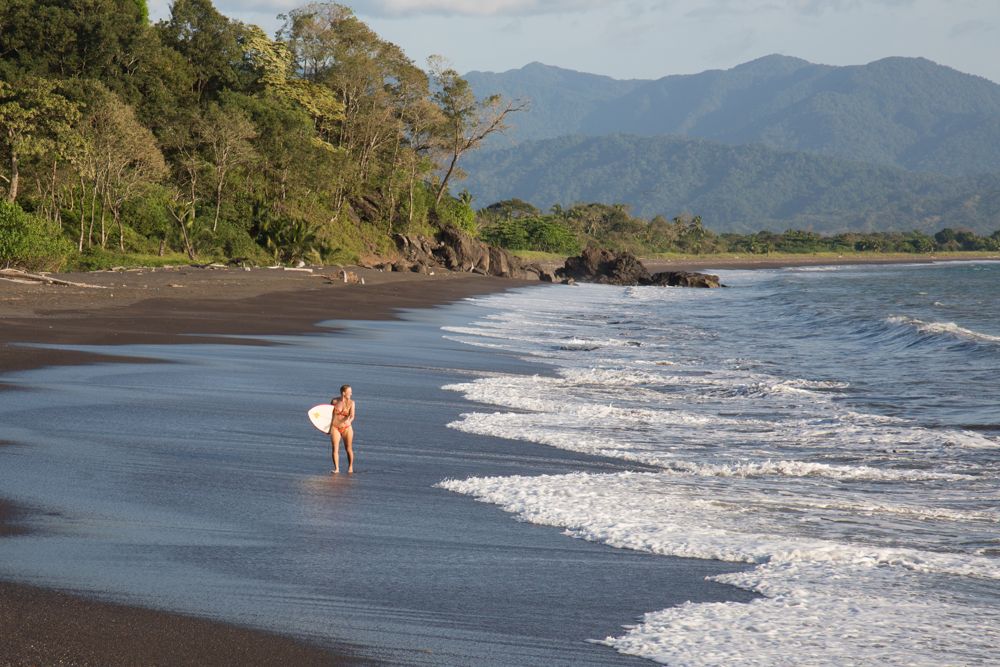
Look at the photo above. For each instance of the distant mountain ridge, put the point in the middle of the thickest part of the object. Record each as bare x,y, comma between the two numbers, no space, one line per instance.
559,99
735,188
904,112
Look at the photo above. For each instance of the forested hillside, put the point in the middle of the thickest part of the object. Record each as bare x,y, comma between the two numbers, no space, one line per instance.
202,136
734,188
905,112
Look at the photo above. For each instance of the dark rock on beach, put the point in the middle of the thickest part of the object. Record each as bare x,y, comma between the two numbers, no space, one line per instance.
599,265
455,250
685,279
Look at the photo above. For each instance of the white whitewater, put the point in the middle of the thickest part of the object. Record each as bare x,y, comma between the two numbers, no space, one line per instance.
848,457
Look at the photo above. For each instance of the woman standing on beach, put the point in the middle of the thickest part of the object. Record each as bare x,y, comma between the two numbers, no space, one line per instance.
340,429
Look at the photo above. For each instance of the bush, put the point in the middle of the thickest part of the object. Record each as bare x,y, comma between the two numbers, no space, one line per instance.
533,233
457,213
100,259
30,242
233,242
148,215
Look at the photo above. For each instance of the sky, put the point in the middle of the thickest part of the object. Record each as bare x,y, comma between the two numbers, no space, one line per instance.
648,39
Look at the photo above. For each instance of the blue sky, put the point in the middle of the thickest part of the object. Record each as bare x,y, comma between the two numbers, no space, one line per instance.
653,38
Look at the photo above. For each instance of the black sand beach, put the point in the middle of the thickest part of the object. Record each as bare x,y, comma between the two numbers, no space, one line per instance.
420,576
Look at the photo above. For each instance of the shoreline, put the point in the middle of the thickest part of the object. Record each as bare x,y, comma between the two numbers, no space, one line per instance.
185,305
743,262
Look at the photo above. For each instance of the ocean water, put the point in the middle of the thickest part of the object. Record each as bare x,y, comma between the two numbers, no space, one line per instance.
838,429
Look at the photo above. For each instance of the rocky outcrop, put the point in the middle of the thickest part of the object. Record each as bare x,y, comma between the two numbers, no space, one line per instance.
597,265
455,250
685,279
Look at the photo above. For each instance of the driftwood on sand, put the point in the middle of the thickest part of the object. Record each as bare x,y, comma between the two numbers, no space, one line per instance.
16,275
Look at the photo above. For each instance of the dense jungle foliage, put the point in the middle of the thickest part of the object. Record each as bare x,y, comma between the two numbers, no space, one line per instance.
200,137
518,225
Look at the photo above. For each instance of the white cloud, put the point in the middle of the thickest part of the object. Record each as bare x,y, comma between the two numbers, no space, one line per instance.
397,8
472,7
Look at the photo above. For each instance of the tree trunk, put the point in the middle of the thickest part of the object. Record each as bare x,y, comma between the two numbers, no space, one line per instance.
413,178
56,212
184,235
121,228
15,178
218,203
444,181
104,231
93,214
83,213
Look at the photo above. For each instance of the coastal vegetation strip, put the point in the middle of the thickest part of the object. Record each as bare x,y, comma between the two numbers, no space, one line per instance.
518,225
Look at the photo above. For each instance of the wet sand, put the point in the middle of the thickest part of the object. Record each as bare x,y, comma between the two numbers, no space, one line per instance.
42,627
165,306
9,515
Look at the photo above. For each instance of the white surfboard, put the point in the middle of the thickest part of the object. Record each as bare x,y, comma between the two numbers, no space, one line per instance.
321,416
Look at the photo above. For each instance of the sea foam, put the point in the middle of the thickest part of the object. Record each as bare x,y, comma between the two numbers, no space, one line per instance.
865,532
823,602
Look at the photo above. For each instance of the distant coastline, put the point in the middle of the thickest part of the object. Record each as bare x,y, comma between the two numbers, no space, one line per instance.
735,261
782,260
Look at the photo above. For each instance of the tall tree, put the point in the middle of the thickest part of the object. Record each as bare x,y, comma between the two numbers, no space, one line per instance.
34,120
274,64
226,133
210,42
117,158
376,85
96,39
467,121
129,156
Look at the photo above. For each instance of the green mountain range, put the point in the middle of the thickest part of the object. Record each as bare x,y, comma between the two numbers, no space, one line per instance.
900,143
734,188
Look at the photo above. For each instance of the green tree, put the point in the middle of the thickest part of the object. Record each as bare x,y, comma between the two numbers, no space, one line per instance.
945,239
382,96
210,42
274,63
130,157
34,120
29,241
511,208
467,121
87,39
227,133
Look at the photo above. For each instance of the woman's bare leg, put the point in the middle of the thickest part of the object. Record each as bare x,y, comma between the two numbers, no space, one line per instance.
335,444
348,441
